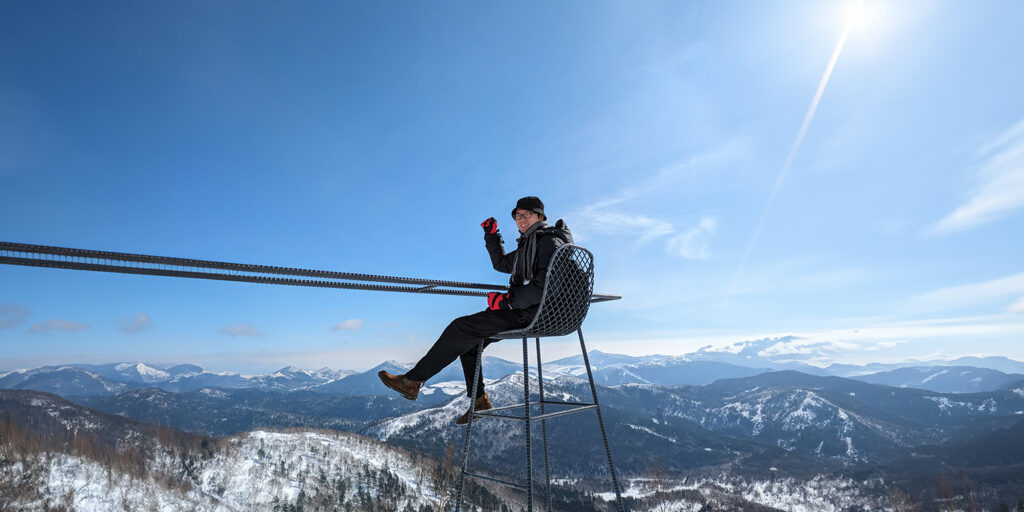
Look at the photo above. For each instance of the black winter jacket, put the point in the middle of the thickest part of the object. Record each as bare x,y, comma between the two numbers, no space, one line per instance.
548,239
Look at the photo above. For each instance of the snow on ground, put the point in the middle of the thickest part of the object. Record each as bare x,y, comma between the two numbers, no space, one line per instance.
298,460
934,375
945,404
820,494
90,487
147,373
12,372
433,418
250,472
651,432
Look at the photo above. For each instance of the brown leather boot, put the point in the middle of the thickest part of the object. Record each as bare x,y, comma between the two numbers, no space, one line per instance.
408,388
482,404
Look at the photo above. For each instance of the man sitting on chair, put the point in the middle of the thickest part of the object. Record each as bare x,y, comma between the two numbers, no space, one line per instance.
515,309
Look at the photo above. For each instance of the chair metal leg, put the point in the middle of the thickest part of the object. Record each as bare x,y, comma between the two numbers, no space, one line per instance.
544,433
600,421
526,408
469,426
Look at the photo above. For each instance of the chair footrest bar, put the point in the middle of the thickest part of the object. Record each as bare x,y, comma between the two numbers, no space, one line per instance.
545,402
555,402
491,413
562,413
506,407
496,480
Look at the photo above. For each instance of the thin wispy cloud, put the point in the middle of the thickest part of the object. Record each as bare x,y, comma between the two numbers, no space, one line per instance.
141,322
729,152
612,216
694,243
240,330
1016,307
58,325
352,324
13,315
928,331
855,344
1000,189
969,294
644,228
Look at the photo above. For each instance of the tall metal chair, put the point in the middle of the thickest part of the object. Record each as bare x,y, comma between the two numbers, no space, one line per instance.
566,298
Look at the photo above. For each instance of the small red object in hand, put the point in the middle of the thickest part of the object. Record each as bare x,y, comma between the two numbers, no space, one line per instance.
497,301
490,225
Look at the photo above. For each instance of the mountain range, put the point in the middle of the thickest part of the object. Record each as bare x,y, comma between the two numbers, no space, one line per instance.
64,464
963,375
783,428
708,423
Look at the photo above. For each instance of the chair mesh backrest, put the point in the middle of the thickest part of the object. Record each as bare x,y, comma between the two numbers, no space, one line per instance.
567,289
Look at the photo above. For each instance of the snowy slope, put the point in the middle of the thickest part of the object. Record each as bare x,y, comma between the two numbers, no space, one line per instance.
945,379
257,471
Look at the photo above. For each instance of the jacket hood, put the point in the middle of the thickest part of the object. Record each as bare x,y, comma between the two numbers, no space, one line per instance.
560,229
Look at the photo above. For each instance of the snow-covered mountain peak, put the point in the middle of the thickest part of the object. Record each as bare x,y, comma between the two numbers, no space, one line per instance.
291,372
143,372
13,372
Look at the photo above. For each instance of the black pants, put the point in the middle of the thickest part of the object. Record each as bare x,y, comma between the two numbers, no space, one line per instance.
461,338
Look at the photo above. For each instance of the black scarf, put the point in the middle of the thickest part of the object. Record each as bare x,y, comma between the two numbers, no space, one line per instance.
526,254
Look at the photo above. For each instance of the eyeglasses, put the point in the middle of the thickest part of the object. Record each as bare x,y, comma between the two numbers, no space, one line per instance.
527,215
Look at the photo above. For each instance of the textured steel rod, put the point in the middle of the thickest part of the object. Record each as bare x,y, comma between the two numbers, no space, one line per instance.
544,432
526,410
71,265
239,267
105,261
600,421
469,425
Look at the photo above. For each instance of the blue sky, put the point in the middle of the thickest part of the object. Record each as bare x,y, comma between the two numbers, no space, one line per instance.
374,137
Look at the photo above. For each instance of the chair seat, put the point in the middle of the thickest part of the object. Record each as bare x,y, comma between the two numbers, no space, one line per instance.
509,335
518,334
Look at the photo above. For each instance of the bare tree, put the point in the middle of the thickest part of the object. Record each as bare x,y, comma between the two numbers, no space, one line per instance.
968,492
900,501
945,494
658,485
444,476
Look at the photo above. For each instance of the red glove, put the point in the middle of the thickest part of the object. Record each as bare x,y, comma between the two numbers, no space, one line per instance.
490,225
496,301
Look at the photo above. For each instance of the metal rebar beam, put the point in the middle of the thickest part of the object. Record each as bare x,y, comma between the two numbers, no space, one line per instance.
529,439
544,432
477,377
600,422
129,263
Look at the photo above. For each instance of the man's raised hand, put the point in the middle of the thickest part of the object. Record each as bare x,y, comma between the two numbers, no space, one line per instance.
490,226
